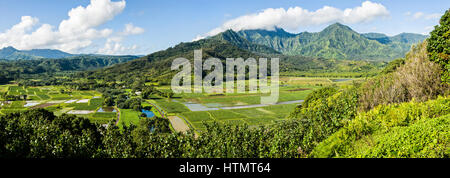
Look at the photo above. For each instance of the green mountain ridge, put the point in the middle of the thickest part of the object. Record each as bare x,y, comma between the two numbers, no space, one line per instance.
19,69
337,41
10,53
235,39
156,66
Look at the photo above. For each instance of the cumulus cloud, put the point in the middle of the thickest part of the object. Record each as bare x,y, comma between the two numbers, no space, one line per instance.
113,44
72,34
295,17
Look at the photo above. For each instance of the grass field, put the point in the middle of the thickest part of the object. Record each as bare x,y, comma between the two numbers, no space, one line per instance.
128,116
251,116
103,117
170,106
50,94
291,89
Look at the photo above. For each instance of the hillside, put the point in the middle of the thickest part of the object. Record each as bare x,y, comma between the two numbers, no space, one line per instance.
20,69
401,113
337,41
156,66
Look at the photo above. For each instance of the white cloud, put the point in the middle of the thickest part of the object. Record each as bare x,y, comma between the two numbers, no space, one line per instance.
72,34
295,17
114,46
421,15
130,29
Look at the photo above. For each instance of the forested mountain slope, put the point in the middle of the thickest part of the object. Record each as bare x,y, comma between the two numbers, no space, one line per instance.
337,41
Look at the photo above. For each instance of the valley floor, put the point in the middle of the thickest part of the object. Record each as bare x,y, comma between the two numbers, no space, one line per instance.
185,111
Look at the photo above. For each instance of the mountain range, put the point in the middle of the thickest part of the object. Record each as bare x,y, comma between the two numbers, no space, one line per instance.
337,41
337,49
11,54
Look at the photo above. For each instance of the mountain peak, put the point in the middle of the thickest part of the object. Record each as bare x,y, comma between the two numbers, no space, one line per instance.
7,51
279,30
226,35
9,48
336,26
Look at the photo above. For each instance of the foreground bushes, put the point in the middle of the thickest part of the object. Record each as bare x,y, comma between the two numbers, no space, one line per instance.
397,130
428,138
40,134
378,133
324,112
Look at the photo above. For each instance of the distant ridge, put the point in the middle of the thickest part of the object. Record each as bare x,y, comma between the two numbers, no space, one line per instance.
10,53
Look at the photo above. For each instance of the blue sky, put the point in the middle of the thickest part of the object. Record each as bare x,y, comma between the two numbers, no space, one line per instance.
145,26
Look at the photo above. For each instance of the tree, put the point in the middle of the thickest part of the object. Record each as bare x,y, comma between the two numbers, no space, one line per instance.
109,101
439,46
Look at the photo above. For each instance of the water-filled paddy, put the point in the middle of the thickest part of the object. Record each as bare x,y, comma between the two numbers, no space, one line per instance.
148,113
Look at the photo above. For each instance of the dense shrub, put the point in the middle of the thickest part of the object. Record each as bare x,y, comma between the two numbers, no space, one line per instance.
383,119
439,46
428,138
393,65
40,134
318,94
326,111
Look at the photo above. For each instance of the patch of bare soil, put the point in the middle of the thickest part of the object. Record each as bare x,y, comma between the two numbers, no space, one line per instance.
178,124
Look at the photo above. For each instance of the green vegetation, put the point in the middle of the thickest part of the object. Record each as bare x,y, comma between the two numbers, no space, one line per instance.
128,116
171,107
337,41
155,67
370,130
439,46
253,117
45,69
150,139
11,53
103,117
428,138
324,112
393,65
403,111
